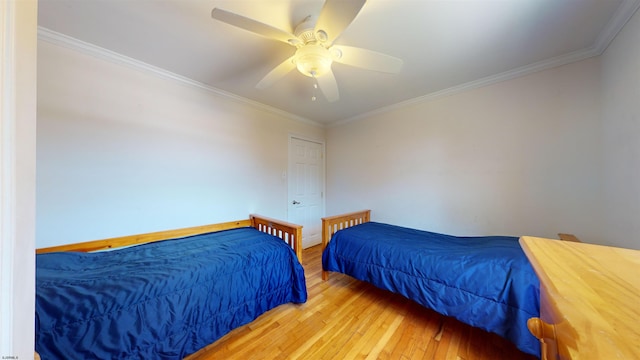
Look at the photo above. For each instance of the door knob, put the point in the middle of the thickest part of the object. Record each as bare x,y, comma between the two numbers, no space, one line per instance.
295,202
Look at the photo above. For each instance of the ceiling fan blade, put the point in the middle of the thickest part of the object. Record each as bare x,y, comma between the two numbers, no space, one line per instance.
336,15
367,59
329,87
276,74
254,26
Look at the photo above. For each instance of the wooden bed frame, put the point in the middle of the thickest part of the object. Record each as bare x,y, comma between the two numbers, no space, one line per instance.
288,232
331,224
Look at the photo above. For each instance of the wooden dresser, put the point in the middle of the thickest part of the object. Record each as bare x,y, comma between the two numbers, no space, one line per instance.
589,299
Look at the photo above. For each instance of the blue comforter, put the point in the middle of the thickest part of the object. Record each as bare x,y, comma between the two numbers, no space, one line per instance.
161,300
486,282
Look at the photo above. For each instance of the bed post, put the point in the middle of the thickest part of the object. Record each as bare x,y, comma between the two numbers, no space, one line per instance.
331,224
568,237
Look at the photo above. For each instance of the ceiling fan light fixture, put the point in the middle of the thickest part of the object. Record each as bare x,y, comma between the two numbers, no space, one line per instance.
313,39
313,60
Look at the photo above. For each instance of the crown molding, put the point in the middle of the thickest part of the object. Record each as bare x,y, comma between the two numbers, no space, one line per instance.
489,80
69,42
623,14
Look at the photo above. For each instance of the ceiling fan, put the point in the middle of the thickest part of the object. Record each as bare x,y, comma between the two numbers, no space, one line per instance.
315,52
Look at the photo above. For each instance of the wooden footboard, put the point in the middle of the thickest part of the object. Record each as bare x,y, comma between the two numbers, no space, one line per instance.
289,233
331,224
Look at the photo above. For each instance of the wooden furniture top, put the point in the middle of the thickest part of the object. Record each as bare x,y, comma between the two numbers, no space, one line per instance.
596,291
290,233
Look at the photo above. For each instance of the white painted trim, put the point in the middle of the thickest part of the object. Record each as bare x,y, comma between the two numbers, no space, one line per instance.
68,42
623,14
18,23
306,138
7,176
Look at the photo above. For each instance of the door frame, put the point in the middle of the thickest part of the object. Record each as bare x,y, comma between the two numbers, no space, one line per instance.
323,172
18,83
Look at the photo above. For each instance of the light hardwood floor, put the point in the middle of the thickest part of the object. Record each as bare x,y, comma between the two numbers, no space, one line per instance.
344,318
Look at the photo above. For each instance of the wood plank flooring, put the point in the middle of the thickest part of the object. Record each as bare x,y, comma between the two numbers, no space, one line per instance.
344,318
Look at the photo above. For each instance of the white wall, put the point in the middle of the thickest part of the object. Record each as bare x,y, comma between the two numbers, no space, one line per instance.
121,151
520,157
621,129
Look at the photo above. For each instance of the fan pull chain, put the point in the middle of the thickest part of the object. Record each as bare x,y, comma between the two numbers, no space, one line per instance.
315,89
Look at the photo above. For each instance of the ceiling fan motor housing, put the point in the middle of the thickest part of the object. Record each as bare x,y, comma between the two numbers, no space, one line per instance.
305,31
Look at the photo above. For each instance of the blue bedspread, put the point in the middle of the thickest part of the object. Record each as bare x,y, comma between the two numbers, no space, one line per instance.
161,300
486,282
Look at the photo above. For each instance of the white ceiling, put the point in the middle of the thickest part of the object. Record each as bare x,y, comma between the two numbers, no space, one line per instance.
446,45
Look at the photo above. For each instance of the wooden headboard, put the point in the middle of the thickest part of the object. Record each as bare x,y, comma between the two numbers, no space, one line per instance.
288,232
331,224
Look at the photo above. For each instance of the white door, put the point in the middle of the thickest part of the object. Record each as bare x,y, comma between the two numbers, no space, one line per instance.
306,188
